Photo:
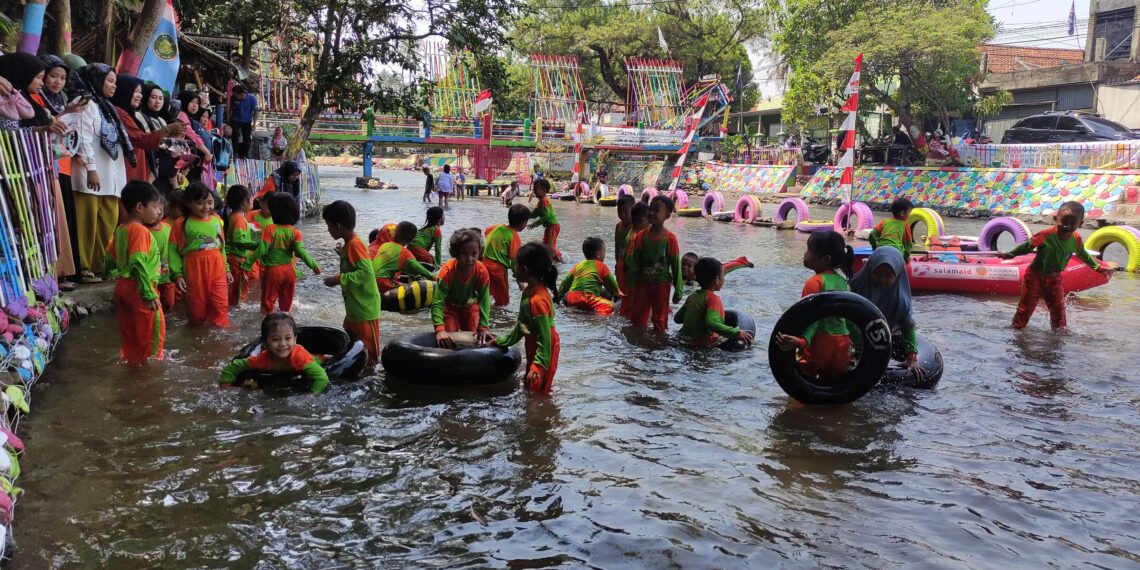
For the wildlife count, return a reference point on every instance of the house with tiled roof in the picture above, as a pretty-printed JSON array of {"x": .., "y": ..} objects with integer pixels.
[{"x": 1100, "y": 79}]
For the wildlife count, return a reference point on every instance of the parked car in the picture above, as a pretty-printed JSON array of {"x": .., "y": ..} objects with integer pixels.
[{"x": 1066, "y": 127}]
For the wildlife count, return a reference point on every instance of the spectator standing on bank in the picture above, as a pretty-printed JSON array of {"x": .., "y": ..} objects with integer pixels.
[{"x": 242, "y": 117}]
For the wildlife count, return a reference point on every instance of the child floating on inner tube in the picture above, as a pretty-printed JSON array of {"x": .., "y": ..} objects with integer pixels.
[
  {"x": 689, "y": 264},
  {"x": 535, "y": 271},
  {"x": 279, "y": 353},
  {"x": 702, "y": 316},
  {"x": 499, "y": 253},
  {"x": 826, "y": 346},
  {"x": 584, "y": 286},
  {"x": 1054, "y": 247},
  {"x": 895, "y": 232},
  {"x": 393, "y": 259},
  {"x": 463, "y": 299}
]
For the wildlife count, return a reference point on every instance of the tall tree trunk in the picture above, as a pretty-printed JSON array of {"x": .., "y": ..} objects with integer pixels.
[
  {"x": 106, "y": 22},
  {"x": 607, "y": 70},
  {"x": 308, "y": 119},
  {"x": 61, "y": 9},
  {"x": 144, "y": 28},
  {"x": 31, "y": 26}
]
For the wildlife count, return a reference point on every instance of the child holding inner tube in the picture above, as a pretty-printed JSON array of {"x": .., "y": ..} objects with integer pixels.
[
  {"x": 895, "y": 232},
  {"x": 499, "y": 254},
  {"x": 826, "y": 345},
  {"x": 586, "y": 283},
  {"x": 702, "y": 316},
  {"x": 428, "y": 237},
  {"x": 653, "y": 263},
  {"x": 357, "y": 279},
  {"x": 133, "y": 255},
  {"x": 536, "y": 273},
  {"x": 198, "y": 261},
  {"x": 546, "y": 217},
  {"x": 463, "y": 299},
  {"x": 279, "y": 353},
  {"x": 1054, "y": 247},
  {"x": 281, "y": 244},
  {"x": 393, "y": 259}
]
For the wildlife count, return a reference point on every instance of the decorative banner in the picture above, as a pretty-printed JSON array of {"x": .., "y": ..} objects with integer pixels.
[
  {"x": 851, "y": 107},
  {"x": 989, "y": 190},
  {"x": 482, "y": 101},
  {"x": 557, "y": 87},
  {"x": 161, "y": 61},
  {"x": 1123, "y": 155},
  {"x": 656, "y": 97},
  {"x": 684, "y": 152}
]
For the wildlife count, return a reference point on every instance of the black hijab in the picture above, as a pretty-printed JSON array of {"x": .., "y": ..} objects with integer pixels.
[
  {"x": 125, "y": 86},
  {"x": 113, "y": 137},
  {"x": 185, "y": 98},
  {"x": 20, "y": 69},
  {"x": 56, "y": 102},
  {"x": 287, "y": 169}
]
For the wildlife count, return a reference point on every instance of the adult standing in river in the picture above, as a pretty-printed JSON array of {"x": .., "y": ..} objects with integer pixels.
[
  {"x": 429, "y": 186},
  {"x": 445, "y": 185}
]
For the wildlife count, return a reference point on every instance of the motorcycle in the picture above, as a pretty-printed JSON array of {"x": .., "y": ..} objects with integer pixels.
[
  {"x": 815, "y": 152},
  {"x": 886, "y": 152}
]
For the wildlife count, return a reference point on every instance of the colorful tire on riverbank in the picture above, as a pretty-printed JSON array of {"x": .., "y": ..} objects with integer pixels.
[
  {"x": 748, "y": 208},
  {"x": 625, "y": 189},
  {"x": 1126, "y": 236},
  {"x": 416, "y": 359},
  {"x": 411, "y": 297},
  {"x": 868, "y": 370},
  {"x": 346, "y": 358},
  {"x": 812, "y": 226},
  {"x": 680, "y": 199},
  {"x": 600, "y": 192},
  {"x": 608, "y": 201},
  {"x": 713, "y": 202},
  {"x": 648, "y": 194},
  {"x": 689, "y": 212},
  {"x": 932, "y": 219},
  {"x": 789, "y": 205},
  {"x": 988, "y": 237},
  {"x": 864, "y": 217},
  {"x": 742, "y": 321}
]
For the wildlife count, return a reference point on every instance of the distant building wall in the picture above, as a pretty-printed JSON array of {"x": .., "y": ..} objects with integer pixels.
[{"x": 1121, "y": 103}]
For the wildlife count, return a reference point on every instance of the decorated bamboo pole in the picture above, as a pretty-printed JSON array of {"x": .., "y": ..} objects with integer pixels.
[
  {"x": 700, "y": 106},
  {"x": 851, "y": 107}
]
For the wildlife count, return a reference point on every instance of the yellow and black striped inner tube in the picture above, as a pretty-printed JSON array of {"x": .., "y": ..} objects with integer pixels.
[{"x": 411, "y": 297}]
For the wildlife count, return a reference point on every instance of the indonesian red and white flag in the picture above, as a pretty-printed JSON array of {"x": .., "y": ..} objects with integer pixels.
[{"x": 482, "y": 101}]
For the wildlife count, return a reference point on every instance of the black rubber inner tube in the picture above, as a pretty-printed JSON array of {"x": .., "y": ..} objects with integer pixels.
[
  {"x": 410, "y": 297},
  {"x": 928, "y": 358},
  {"x": 741, "y": 321},
  {"x": 346, "y": 358},
  {"x": 872, "y": 362},
  {"x": 416, "y": 359}
]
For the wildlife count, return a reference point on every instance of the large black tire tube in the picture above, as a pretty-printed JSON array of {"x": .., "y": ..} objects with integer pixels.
[
  {"x": 868, "y": 371},
  {"x": 928, "y": 357},
  {"x": 741, "y": 321},
  {"x": 415, "y": 359},
  {"x": 346, "y": 358}
]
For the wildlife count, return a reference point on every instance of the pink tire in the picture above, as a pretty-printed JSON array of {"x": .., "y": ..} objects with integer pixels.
[
  {"x": 713, "y": 203},
  {"x": 648, "y": 194},
  {"x": 864, "y": 218},
  {"x": 747, "y": 209},
  {"x": 812, "y": 226},
  {"x": 625, "y": 189},
  {"x": 988, "y": 237},
  {"x": 680, "y": 199},
  {"x": 788, "y": 205}
]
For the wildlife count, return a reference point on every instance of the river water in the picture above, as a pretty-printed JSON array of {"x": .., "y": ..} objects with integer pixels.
[{"x": 646, "y": 455}]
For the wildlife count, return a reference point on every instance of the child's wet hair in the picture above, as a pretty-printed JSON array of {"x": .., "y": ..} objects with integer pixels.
[
  {"x": 626, "y": 200},
  {"x": 174, "y": 202},
  {"x": 340, "y": 213},
  {"x": 372, "y": 235},
  {"x": 462, "y": 237},
  {"x": 517, "y": 214},
  {"x": 138, "y": 192},
  {"x": 433, "y": 216},
  {"x": 1074, "y": 207},
  {"x": 664, "y": 201},
  {"x": 591, "y": 246},
  {"x": 283, "y": 209},
  {"x": 270, "y": 322},
  {"x": 706, "y": 271},
  {"x": 236, "y": 195},
  {"x": 535, "y": 257},
  {"x": 690, "y": 256},
  {"x": 638, "y": 213},
  {"x": 901, "y": 206},
  {"x": 831, "y": 243},
  {"x": 194, "y": 192},
  {"x": 405, "y": 232},
  {"x": 541, "y": 184}
]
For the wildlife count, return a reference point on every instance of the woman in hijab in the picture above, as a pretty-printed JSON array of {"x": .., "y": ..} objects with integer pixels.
[
  {"x": 99, "y": 168},
  {"x": 883, "y": 282},
  {"x": 128, "y": 103},
  {"x": 191, "y": 112},
  {"x": 26, "y": 74},
  {"x": 287, "y": 178}
]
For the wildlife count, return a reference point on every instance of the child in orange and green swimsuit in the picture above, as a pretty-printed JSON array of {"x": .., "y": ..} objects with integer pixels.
[
  {"x": 653, "y": 263},
  {"x": 240, "y": 240},
  {"x": 499, "y": 253},
  {"x": 134, "y": 259},
  {"x": 702, "y": 316},
  {"x": 895, "y": 232},
  {"x": 428, "y": 237},
  {"x": 197, "y": 261},
  {"x": 279, "y": 353},
  {"x": 393, "y": 258},
  {"x": 586, "y": 283},
  {"x": 281, "y": 244},
  {"x": 463, "y": 291},
  {"x": 534, "y": 268},
  {"x": 546, "y": 217},
  {"x": 357, "y": 278}
]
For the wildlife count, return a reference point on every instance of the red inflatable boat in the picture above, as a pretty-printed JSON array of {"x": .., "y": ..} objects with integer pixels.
[{"x": 985, "y": 275}]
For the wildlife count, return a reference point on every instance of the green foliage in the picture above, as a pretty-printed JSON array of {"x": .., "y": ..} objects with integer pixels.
[
  {"x": 992, "y": 104},
  {"x": 920, "y": 58},
  {"x": 708, "y": 36}
]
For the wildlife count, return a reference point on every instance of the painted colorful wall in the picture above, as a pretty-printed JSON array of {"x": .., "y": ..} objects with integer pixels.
[
  {"x": 990, "y": 190},
  {"x": 746, "y": 178}
]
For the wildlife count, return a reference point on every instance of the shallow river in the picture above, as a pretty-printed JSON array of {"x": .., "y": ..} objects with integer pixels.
[{"x": 645, "y": 456}]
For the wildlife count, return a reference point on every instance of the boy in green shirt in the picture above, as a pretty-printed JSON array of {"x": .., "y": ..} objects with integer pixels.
[
  {"x": 702, "y": 316},
  {"x": 895, "y": 232},
  {"x": 393, "y": 258},
  {"x": 585, "y": 284},
  {"x": 357, "y": 279},
  {"x": 135, "y": 260}
]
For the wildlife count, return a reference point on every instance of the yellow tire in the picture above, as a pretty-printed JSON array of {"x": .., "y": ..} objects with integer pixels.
[
  {"x": 1103, "y": 237},
  {"x": 932, "y": 219}
]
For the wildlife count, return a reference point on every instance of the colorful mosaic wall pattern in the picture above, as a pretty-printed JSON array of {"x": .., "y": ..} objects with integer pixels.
[
  {"x": 1024, "y": 192},
  {"x": 746, "y": 178}
]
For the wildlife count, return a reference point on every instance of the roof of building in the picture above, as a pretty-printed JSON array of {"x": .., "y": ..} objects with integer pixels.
[
  {"x": 771, "y": 104},
  {"x": 1007, "y": 59}
]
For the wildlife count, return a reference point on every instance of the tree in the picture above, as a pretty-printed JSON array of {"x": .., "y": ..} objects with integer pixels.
[
  {"x": 919, "y": 60},
  {"x": 141, "y": 34},
  {"x": 708, "y": 36},
  {"x": 251, "y": 21},
  {"x": 343, "y": 44}
]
